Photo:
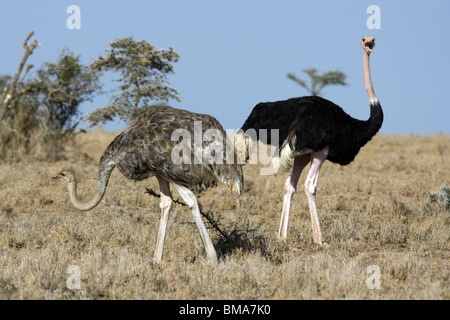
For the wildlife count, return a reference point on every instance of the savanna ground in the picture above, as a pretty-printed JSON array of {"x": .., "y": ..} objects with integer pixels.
[{"x": 374, "y": 212}]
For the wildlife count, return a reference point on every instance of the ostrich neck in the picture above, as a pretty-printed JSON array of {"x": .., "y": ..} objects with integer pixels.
[
  {"x": 102, "y": 182},
  {"x": 367, "y": 78},
  {"x": 373, "y": 124},
  {"x": 80, "y": 205}
]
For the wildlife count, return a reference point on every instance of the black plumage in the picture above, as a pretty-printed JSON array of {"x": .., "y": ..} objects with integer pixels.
[
  {"x": 312, "y": 130},
  {"x": 315, "y": 122}
]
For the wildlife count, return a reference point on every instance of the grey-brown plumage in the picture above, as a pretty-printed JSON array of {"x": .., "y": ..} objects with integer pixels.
[
  {"x": 151, "y": 147},
  {"x": 145, "y": 149}
]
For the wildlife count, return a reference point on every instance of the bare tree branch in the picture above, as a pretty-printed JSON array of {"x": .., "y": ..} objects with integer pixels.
[{"x": 10, "y": 90}]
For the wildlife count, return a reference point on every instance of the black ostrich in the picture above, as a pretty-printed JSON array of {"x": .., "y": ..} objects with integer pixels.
[
  {"x": 313, "y": 129},
  {"x": 149, "y": 148}
]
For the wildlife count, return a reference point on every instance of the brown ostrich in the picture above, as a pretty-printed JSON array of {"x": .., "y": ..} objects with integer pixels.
[
  {"x": 146, "y": 149},
  {"x": 313, "y": 129}
]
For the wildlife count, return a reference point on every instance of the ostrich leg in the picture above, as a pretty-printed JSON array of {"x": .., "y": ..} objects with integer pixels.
[
  {"x": 317, "y": 159},
  {"x": 291, "y": 185},
  {"x": 191, "y": 201},
  {"x": 166, "y": 206}
]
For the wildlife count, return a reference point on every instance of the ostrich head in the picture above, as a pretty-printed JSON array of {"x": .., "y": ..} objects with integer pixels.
[
  {"x": 368, "y": 43},
  {"x": 67, "y": 176}
]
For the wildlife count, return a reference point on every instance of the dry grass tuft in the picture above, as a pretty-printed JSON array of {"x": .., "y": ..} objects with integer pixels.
[{"x": 375, "y": 212}]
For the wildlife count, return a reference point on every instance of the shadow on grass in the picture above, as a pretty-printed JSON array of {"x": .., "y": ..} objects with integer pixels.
[
  {"x": 243, "y": 237},
  {"x": 238, "y": 236}
]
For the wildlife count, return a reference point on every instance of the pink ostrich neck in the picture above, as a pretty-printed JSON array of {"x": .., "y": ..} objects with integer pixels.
[{"x": 367, "y": 79}]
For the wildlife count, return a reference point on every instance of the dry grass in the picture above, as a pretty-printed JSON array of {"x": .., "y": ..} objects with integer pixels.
[{"x": 376, "y": 211}]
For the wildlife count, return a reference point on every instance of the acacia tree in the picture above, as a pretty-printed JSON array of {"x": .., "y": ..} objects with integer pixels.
[
  {"x": 317, "y": 81},
  {"x": 143, "y": 73},
  {"x": 43, "y": 111},
  {"x": 60, "y": 88}
]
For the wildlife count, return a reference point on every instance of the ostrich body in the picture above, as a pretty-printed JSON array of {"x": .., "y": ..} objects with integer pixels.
[
  {"x": 313, "y": 129},
  {"x": 145, "y": 149}
]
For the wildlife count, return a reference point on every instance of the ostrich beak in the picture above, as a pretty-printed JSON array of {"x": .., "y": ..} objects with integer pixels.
[
  {"x": 58, "y": 177},
  {"x": 368, "y": 43}
]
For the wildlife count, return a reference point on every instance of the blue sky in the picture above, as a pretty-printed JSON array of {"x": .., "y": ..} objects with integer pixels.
[{"x": 236, "y": 53}]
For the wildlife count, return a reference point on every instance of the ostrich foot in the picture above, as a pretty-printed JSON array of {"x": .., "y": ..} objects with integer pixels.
[
  {"x": 324, "y": 245},
  {"x": 281, "y": 237},
  {"x": 317, "y": 238}
]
